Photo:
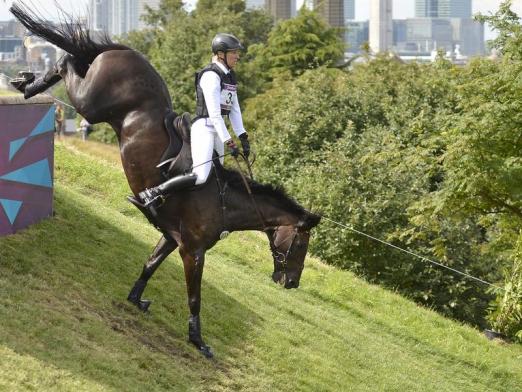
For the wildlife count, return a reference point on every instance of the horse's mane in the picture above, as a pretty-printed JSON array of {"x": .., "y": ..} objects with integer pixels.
[
  {"x": 69, "y": 35},
  {"x": 235, "y": 181}
]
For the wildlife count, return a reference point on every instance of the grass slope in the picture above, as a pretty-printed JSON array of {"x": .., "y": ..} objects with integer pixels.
[{"x": 65, "y": 324}]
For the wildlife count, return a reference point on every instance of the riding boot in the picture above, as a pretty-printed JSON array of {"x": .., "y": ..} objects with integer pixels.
[
  {"x": 29, "y": 86},
  {"x": 153, "y": 198}
]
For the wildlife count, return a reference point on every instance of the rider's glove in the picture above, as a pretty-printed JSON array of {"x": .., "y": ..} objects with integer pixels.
[
  {"x": 245, "y": 144},
  {"x": 234, "y": 151}
]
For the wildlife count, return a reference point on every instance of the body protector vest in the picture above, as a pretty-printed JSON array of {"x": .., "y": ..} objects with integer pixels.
[{"x": 228, "y": 91}]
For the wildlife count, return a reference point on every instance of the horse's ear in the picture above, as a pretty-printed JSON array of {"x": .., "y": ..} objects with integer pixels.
[{"x": 309, "y": 221}]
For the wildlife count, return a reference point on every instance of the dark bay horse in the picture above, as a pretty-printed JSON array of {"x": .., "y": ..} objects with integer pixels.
[{"x": 108, "y": 82}]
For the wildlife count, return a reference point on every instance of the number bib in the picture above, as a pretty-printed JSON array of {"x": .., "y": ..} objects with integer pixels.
[{"x": 228, "y": 96}]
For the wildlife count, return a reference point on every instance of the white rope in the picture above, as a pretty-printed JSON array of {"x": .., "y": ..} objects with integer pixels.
[{"x": 414, "y": 254}]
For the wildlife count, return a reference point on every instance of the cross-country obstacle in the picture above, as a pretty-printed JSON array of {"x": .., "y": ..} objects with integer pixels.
[{"x": 26, "y": 161}]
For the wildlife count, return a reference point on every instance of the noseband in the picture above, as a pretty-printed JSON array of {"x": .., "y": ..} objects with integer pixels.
[{"x": 280, "y": 257}]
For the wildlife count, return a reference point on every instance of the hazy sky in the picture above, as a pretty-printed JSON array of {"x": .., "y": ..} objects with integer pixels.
[{"x": 401, "y": 8}]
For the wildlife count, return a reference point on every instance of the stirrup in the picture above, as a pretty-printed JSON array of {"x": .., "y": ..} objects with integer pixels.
[{"x": 151, "y": 198}]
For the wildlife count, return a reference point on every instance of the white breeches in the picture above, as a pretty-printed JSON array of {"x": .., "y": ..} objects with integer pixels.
[{"x": 203, "y": 141}]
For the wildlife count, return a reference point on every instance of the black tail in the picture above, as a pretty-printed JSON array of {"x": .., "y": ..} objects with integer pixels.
[{"x": 70, "y": 35}]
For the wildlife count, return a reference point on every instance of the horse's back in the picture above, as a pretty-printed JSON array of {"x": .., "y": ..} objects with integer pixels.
[{"x": 128, "y": 78}]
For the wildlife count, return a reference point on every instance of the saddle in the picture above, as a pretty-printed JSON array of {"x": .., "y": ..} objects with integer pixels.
[{"x": 177, "y": 157}]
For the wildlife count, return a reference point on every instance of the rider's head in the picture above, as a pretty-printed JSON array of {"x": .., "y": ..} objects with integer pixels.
[{"x": 226, "y": 48}]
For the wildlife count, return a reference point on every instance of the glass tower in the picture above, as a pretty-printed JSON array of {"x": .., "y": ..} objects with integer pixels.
[
  {"x": 443, "y": 8},
  {"x": 332, "y": 11},
  {"x": 349, "y": 9}
]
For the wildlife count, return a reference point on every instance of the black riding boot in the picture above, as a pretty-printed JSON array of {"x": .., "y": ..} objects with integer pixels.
[
  {"x": 29, "y": 86},
  {"x": 153, "y": 198}
]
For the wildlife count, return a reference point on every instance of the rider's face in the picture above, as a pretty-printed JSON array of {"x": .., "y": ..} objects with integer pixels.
[{"x": 232, "y": 57}]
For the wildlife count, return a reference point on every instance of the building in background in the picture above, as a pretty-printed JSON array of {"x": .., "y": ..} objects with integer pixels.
[
  {"x": 349, "y": 10},
  {"x": 381, "y": 25},
  {"x": 332, "y": 11},
  {"x": 12, "y": 41},
  {"x": 12, "y": 28},
  {"x": 118, "y": 17},
  {"x": 281, "y": 9},
  {"x": 11, "y": 49},
  {"x": 443, "y": 8},
  {"x": 255, "y": 4},
  {"x": 469, "y": 35},
  {"x": 357, "y": 34},
  {"x": 421, "y": 36}
]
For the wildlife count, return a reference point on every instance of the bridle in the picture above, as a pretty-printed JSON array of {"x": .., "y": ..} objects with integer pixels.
[{"x": 279, "y": 257}]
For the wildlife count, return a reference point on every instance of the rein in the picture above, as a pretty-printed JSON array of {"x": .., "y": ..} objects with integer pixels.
[
  {"x": 279, "y": 257},
  {"x": 249, "y": 191}
]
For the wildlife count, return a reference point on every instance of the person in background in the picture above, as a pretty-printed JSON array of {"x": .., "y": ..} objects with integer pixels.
[
  {"x": 85, "y": 128},
  {"x": 59, "y": 119}
]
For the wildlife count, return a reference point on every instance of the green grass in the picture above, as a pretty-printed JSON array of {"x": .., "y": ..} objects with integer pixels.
[
  {"x": 8, "y": 93},
  {"x": 65, "y": 324}
]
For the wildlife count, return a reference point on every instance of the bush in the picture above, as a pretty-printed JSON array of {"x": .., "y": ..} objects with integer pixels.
[
  {"x": 104, "y": 133},
  {"x": 506, "y": 315},
  {"x": 363, "y": 147}
]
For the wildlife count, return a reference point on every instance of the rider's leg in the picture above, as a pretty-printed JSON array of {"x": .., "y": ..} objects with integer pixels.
[
  {"x": 219, "y": 147},
  {"x": 202, "y": 147},
  {"x": 202, "y": 142}
]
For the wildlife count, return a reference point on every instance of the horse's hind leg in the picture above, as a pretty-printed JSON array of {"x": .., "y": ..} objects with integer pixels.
[
  {"x": 193, "y": 264},
  {"x": 29, "y": 86},
  {"x": 161, "y": 251}
]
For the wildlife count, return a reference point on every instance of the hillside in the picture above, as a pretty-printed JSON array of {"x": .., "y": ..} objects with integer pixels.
[{"x": 66, "y": 326}]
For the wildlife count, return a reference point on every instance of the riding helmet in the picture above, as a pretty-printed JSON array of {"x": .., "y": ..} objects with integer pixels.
[{"x": 223, "y": 42}]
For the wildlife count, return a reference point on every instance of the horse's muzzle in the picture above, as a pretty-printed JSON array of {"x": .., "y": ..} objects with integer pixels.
[{"x": 291, "y": 284}]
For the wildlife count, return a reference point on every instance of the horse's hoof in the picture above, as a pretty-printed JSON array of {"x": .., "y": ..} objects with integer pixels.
[
  {"x": 19, "y": 84},
  {"x": 203, "y": 349},
  {"x": 206, "y": 351},
  {"x": 144, "y": 304},
  {"x": 141, "y": 304}
]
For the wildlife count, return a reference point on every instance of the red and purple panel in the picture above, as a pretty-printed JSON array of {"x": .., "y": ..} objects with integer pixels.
[{"x": 26, "y": 165}]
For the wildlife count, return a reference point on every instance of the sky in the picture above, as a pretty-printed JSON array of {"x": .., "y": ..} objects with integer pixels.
[{"x": 401, "y": 8}]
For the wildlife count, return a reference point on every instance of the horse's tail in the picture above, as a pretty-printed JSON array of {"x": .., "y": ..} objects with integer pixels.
[{"x": 69, "y": 35}]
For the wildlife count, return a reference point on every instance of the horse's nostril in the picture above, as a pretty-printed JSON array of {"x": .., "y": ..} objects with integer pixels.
[{"x": 291, "y": 284}]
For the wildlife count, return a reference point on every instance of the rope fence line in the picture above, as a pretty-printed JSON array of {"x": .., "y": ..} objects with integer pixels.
[
  {"x": 355, "y": 230},
  {"x": 414, "y": 254}
]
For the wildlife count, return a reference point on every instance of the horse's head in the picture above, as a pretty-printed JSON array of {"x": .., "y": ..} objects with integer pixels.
[{"x": 289, "y": 245}]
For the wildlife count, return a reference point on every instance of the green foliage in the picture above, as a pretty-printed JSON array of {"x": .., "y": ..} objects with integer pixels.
[
  {"x": 103, "y": 133},
  {"x": 140, "y": 40},
  {"x": 506, "y": 315},
  {"x": 66, "y": 324},
  {"x": 507, "y": 24},
  {"x": 364, "y": 147},
  {"x": 297, "y": 44},
  {"x": 60, "y": 93},
  {"x": 182, "y": 46}
]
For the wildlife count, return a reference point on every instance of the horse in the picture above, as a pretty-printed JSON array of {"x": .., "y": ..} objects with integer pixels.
[{"x": 112, "y": 83}]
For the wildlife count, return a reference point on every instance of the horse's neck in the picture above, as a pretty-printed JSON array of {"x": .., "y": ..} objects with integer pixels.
[{"x": 269, "y": 213}]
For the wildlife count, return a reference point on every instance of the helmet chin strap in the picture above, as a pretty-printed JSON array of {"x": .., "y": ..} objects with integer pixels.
[{"x": 225, "y": 60}]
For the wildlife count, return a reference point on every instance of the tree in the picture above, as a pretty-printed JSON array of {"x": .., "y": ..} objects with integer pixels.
[
  {"x": 297, "y": 44},
  {"x": 182, "y": 45}
]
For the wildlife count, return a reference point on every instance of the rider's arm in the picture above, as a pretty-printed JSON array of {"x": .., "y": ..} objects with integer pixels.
[
  {"x": 211, "y": 86},
  {"x": 236, "y": 120}
]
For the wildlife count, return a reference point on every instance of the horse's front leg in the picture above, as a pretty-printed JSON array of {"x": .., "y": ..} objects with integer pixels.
[
  {"x": 160, "y": 253},
  {"x": 193, "y": 264}
]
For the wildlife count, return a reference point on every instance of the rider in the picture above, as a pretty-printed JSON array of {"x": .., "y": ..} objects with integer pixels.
[{"x": 216, "y": 97}]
